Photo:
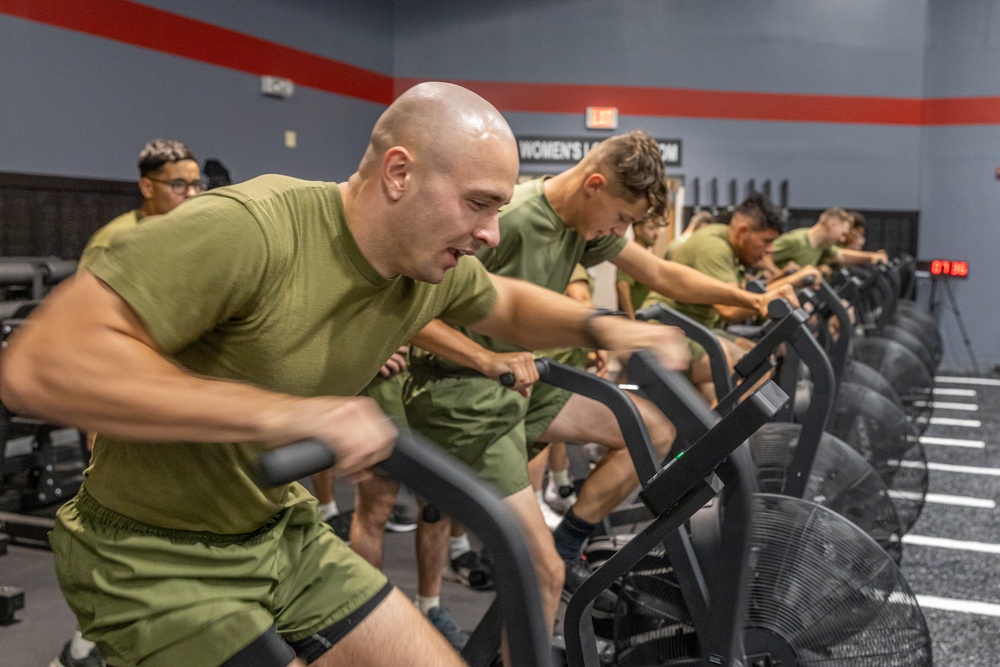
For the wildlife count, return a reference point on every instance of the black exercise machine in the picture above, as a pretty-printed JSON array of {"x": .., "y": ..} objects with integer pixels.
[{"x": 443, "y": 481}]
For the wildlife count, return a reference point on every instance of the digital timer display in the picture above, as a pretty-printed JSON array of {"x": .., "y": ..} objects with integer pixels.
[{"x": 945, "y": 268}]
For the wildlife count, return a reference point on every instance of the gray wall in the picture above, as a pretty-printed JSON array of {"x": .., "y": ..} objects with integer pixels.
[
  {"x": 73, "y": 104},
  {"x": 959, "y": 191},
  {"x": 79, "y": 105},
  {"x": 857, "y": 48}
]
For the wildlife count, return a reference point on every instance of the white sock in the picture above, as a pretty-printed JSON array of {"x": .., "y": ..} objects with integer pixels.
[
  {"x": 426, "y": 604},
  {"x": 540, "y": 497},
  {"x": 459, "y": 545},
  {"x": 80, "y": 648},
  {"x": 560, "y": 477},
  {"x": 327, "y": 510}
]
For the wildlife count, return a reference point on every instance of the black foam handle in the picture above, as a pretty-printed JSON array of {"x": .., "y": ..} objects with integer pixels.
[
  {"x": 295, "y": 461},
  {"x": 508, "y": 379},
  {"x": 778, "y": 309}
]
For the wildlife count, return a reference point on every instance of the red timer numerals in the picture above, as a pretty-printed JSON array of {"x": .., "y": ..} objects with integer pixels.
[{"x": 947, "y": 267}]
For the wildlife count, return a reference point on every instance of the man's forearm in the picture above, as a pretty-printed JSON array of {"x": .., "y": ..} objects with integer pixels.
[
  {"x": 688, "y": 285},
  {"x": 440, "y": 339}
]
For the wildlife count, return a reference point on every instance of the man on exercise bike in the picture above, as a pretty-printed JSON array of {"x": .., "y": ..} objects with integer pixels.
[{"x": 250, "y": 318}]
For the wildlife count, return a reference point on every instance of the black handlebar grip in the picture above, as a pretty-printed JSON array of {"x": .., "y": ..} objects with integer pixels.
[
  {"x": 301, "y": 459},
  {"x": 778, "y": 309},
  {"x": 808, "y": 280},
  {"x": 756, "y": 286},
  {"x": 542, "y": 365}
]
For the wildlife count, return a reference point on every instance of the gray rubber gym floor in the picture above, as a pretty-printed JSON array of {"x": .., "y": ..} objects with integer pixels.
[{"x": 950, "y": 556}]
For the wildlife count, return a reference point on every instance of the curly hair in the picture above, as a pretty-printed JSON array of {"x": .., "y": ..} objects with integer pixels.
[
  {"x": 159, "y": 152},
  {"x": 633, "y": 163}
]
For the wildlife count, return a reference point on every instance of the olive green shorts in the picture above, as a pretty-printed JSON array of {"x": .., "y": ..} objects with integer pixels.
[
  {"x": 388, "y": 393},
  {"x": 153, "y": 597},
  {"x": 547, "y": 401},
  {"x": 475, "y": 419}
]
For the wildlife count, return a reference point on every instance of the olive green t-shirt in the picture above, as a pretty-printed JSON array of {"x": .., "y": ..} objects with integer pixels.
[
  {"x": 709, "y": 251},
  {"x": 535, "y": 246},
  {"x": 794, "y": 246},
  {"x": 101, "y": 239},
  {"x": 262, "y": 283}
]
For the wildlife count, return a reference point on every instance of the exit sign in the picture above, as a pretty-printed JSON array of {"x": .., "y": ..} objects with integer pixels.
[{"x": 602, "y": 118}]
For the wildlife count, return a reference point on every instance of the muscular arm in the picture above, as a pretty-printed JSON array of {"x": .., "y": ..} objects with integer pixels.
[
  {"x": 849, "y": 257},
  {"x": 85, "y": 358},
  {"x": 683, "y": 283},
  {"x": 536, "y": 318},
  {"x": 680, "y": 282}
]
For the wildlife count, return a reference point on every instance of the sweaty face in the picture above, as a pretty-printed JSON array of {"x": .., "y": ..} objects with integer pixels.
[
  {"x": 608, "y": 215},
  {"x": 453, "y": 212},
  {"x": 756, "y": 246},
  {"x": 160, "y": 195}
]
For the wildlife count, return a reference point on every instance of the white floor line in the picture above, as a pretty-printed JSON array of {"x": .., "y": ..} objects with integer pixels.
[
  {"x": 942, "y": 499},
  {"x": 964, "y": 606},
  {"x": 947, "y": 421},
  {"x": 948, "y": 467},
  {"x": 952, "y": 442},
  {"x": 944, "y": 405},
  {"x": 960, "y": 380},
  {"x": 969, "y": 393},
  {"x": 945, "y": 543}
]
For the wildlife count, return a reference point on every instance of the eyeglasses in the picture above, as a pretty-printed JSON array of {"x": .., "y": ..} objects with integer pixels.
[{"x": 179, "y": 186}]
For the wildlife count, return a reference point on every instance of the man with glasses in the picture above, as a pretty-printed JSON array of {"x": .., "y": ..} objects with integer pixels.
[{"x": 168, "y": 174}]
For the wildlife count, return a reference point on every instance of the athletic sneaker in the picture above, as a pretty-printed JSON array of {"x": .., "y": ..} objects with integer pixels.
[
  {"x": 398, "y": 521},
  {"x": 577, "y": 572},
  {"x": 560, "y": 498},
  {"x": 442, "y": 620},
  {"x": 341, "y": 524},
  {"x": 552, "y": 520},
  {"x": 66, "y": 659},
  {"x": 470, "y": 570}
]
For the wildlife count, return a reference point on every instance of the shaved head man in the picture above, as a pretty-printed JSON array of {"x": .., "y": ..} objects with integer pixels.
[{"x": 250, "y": 318}]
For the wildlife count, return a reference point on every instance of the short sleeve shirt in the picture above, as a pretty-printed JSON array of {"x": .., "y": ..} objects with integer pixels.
[
  {"x": 794, "y": 246},
  {"x": 260, "y": 283},
  {"x": 101, "y": 239},
  {"x": 710, "y": 252},
  {"x": 536, "y": 246}
]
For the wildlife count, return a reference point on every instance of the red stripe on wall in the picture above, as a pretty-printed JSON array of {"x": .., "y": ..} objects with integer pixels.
[
  {"x": 166, "y": 32},
  {"x": 162, "y": 31},
  {"x": 962, "y": 111},
  {"x": 681, "y": 102}
]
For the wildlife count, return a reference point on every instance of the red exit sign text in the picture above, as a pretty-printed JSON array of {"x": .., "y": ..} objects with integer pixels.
[{"x": 602, "y": 118}]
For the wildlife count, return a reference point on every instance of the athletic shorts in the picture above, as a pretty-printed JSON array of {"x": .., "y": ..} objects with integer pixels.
[
  {"x": 547, "y": 401},
  {"x": 475, "y": 419},
  {"x": 697, "y": 351},
  {"x": 154, "y": 597},
  {"x": 388, "y": 393}
]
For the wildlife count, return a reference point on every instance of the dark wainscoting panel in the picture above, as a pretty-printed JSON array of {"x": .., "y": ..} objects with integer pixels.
[{"x": 56, "y": 215}]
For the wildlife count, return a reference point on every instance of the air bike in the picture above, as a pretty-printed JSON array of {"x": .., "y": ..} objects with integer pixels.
[{"x": 753, "y": 578}]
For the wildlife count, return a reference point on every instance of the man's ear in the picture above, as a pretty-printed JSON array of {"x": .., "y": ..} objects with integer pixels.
[
  {"x": 397, "y": 165},
  {"x": 146, "y": 188},
  {"x": 593, "y": 183}
]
